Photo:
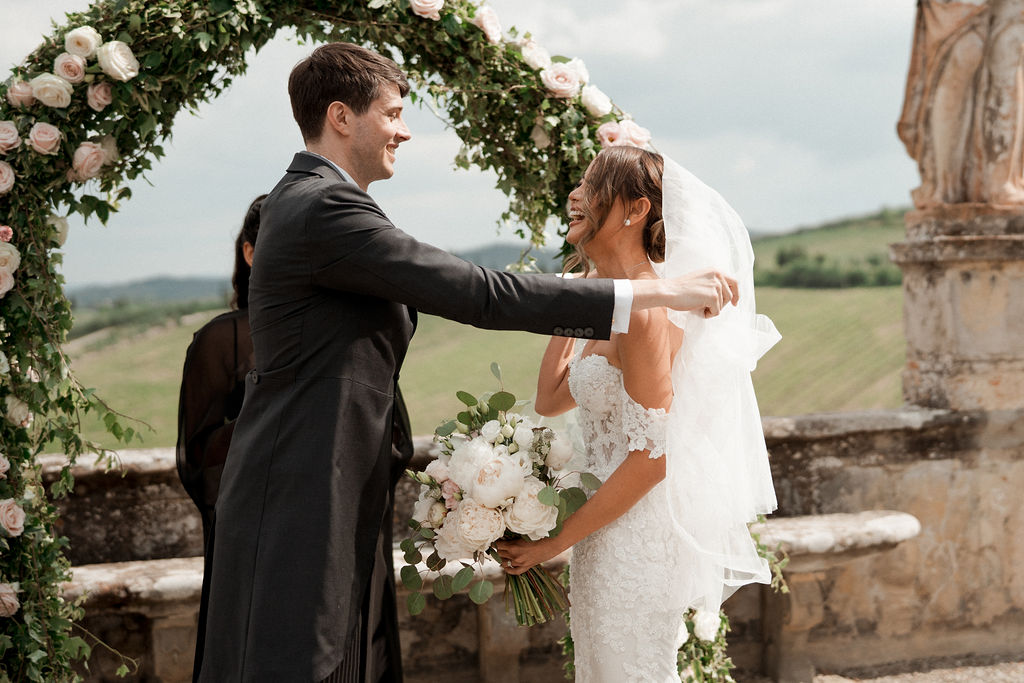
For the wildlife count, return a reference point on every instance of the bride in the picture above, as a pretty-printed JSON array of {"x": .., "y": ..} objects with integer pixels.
[{"x": 669, "y": 420}]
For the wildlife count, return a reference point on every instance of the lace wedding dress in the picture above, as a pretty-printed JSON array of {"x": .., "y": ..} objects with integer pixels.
[{"x": 626, "y": 624}]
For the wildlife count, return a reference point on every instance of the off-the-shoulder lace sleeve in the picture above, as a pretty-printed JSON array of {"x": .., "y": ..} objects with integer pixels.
[{"x": 644, "y": 427}]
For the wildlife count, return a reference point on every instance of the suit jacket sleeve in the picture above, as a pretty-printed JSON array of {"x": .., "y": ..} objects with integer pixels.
[{"x": 355, "y": 248}]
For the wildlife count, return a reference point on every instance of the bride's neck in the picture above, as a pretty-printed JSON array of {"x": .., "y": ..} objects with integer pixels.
[{"x": 628, "y": 264}]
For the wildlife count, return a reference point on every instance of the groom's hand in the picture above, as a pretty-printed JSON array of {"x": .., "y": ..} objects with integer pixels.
[{"x": 707, "y": 291}]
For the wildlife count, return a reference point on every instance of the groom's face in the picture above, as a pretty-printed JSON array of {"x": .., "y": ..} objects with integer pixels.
[{"x": 376, "y": 134}]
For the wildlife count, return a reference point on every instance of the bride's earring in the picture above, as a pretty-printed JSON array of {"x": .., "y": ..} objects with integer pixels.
[{"x": 627, "y": 222}]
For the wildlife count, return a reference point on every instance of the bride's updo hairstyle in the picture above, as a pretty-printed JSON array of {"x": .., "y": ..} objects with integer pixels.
[{"x": 622, "y": 173}]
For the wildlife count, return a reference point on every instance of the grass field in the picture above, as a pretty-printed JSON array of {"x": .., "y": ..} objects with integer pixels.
[{"x": 841, "y": 350}]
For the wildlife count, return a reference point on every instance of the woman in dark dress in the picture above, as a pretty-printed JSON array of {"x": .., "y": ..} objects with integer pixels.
[{"x": 212, "y": 389}]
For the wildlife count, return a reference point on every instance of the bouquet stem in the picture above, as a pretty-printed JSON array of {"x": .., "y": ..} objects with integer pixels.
[{"x": 536, "y": 596}]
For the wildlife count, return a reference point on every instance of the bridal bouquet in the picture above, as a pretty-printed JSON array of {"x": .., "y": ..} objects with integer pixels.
[{"x": 499, "y": 476}]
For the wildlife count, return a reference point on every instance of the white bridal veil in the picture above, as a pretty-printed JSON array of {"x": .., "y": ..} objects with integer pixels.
[{"x": 717, "y": 469}]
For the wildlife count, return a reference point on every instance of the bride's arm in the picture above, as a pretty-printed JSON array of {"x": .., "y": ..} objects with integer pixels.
[
  {"x": 553, "y": 397},
  {"x": 646, "y": 357}
]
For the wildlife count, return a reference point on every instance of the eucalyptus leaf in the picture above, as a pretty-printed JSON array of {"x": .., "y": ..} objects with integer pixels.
[
  {"x": 443, "y": 587},
  {"x": 548, "y": 496},
  {"x": 502, "y": 401},
  {"x": 466, "y": 398},
  {"x": 590, "y": 481},
  {"x": 496, "y": 371},
  {"x": 463, "y": 578},
  {"x": 481, "y": 591},
  {"x": 411, "y": 578},
  {"x": 446, "y": 429},
  {"x": 415, "y": 603}
]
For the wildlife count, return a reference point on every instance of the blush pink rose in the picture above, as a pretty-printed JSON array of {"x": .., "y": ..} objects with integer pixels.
[
  {"x": 12, "y": 517},
  {"x": 561, "y": 80},
  {"x": 9, "y": 136},
  {"x": 608, "y": 133},
  {"x": 428, "y": 9},
  {"x": 99, "y": 95},
  {"x": 6, "y": 233},
  {"x": 633, "y": 134},
  {"x": 69, "y": 67},
  {"x": 9, "y": 604},
  {"x": 6, "y": 177},
  {"x": 87, "y": 161},
  {"x": 19, "y": 94},
  {"x": 486, "y": 20},
  {"x": 44, "y": 138},
  {"x": 450, "y": 492},
  {"x": 5, "y": 466}
]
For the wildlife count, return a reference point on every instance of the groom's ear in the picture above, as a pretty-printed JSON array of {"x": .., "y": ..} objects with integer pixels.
[{"x": 338, "y": 117}]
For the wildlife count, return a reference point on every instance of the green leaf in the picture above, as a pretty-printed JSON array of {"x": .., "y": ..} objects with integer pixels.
[
  {"x": 590, "y": 481},
  {"x": 153, "y": 60},
  {"x": 134, "y": 22},
  {"x": 466, "y": 398},
  {"x": 465, "y": 417},
  {"x": 376, "y": 4},
  {"x": 204, "y": 39},
  {"x": 502, "y": 401},
  {"x": 435, "y": 562},
  {"x": 548, "y": 496},
  {"x": 147, "y": 125},
  {"x": 408, "y": 543},
  {"x": 443, "y": 587},
  {"x": 427, "y": 533},
  {"x": 481, "y": 591},
  {"x": 413, "y": 556},
  {"x": 446, "y": 429},
  {"x": 415, "y": 603},
  {"x": 411, "y": 578},
  {"x": 574, "y": 499},
  {"x": 463, "y": 578},
  {"x": 496, "y": 370}
]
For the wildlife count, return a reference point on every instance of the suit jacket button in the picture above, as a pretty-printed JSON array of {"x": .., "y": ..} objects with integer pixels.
[
  {"x": 589, "y": 332},
  {"x": 578, "y": 331},
  {"x": 255, "y": 377},
  {"x": 557, "y": 331}
]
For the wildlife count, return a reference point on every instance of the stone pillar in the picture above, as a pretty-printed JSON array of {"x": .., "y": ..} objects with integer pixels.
[{"x": 963, "y": 309}]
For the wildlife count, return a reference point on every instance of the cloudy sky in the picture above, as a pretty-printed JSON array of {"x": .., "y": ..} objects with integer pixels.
[{"x": 787, "y": 107}]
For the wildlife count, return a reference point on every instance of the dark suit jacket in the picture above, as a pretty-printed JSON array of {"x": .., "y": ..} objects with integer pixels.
[{"x": 332, "y": 302}]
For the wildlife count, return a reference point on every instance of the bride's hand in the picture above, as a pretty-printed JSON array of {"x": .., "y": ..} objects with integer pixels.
[{"x": 519, "y": 556}]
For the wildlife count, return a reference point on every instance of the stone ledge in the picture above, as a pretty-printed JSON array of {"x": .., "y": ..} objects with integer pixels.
[
  {"x": 963, "y": 249},
  {"x": 130, "y": 461},
  {"x": 143, "y": 584},
  {"x": 819, "y": 542}
]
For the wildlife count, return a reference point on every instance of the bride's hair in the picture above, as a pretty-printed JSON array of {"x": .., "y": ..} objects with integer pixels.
[{"x": 622, "y": 173}]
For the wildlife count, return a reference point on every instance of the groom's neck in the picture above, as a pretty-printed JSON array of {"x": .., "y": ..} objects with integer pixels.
[{"x": 338, "y": 156}]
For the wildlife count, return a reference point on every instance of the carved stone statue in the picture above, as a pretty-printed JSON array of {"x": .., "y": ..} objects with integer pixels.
[{"x": 963, "y": 116}]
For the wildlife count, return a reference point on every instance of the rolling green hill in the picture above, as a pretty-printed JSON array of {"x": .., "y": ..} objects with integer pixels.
[{"x": 842, "y": 349}]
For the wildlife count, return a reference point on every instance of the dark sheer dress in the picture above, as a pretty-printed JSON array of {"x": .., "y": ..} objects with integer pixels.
[{"x": 212, "y": 389}]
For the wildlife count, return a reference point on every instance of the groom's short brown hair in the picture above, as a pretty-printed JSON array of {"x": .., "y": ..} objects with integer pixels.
[{"x": 338, "y": 72}]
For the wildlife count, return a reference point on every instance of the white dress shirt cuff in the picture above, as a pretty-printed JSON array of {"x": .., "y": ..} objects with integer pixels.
[{"x": 623, "y": 306}]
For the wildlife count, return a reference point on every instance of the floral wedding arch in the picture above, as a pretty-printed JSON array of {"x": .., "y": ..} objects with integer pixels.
[{"x": 86, "y": 113}]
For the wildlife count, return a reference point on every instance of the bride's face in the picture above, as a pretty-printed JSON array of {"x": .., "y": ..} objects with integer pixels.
[{"x": 581, "y": 225}]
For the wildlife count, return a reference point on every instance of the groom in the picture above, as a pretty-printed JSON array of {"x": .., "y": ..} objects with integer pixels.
[{"x": 302, "y": 587}]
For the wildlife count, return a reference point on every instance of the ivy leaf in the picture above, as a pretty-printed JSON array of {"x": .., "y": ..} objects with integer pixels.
[{"x": 204, "y": 40}]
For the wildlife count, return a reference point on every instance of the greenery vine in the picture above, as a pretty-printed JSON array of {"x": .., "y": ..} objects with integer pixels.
[{"x": 78, "y": 124}]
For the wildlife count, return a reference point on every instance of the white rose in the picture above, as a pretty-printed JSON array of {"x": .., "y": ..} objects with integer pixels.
[
  {"x": 479, "y": 526},
  {"x": 9, "y": 599},
  {"x": 18, "y": 413},
  {"x": 51, "y": 90},
  {"x": 12, "y": 518},
  {"x": 560, "y": 454},
  {"x": 535, "y": 56},
  {"x": 9, "y": 136},
  {"x": 60, "y": 226},
  {"x": 6, "y": 177},
  {"x": 438, "y": 470},
  {"x": 117, "y": 61},
  {"x": 487, "y": 21},
  {"x": 523, "y": 435},
  {"x": 527, "y": 515},
  {"x": 491, "y": 430},
  {"x": 705, "y": 625},
  {"x": 561, "y": 80},
  {"x": 5, "y": 466},
  {"x": 466, "y": 460},
  {"x": 421, "y": 509},
  {"x": 632, "y": 134},
  {"x": 69, "y": 67},
  {"x": 497, "y": 480},
  {"x": 44, "y": 138},
  {"x": 449, "y": 543},
  {"x": 82, "y": 41},
  {"x": 6, "y": 283},
  {"x": 10, "y": 257},
  {"x": 110, "y": 153},
  {"x": 19, "y": 94},
  {"x": 595, "y": 102},
  {"x": 577, "y": 65},
  {"x": 99, "y": 95},
  {"x": 428, "y": 9},
  {"x": 88, "y": 161}
]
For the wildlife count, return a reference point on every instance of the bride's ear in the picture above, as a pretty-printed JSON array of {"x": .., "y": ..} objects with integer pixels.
[{"x": 638, "y": 210}]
